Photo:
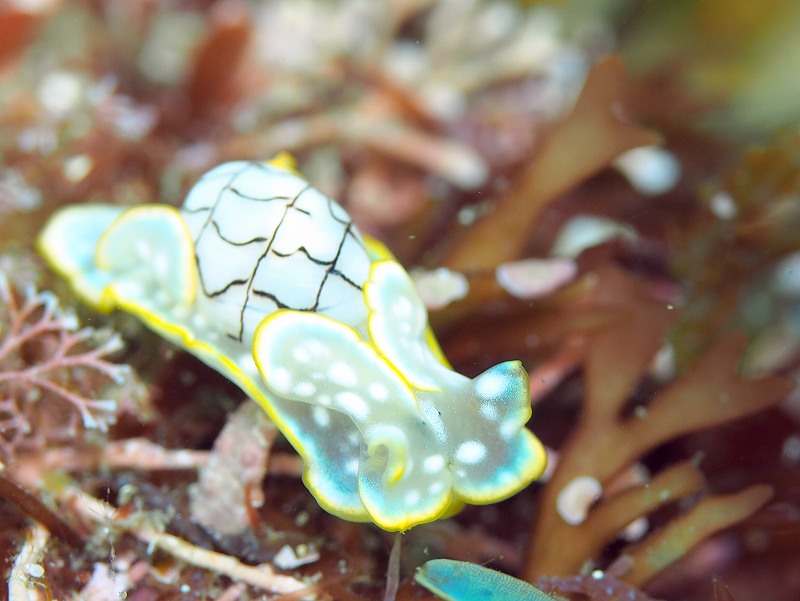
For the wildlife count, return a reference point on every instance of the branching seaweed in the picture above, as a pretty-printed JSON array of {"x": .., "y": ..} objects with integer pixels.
[
  {"x": 562, "y": 162},
  {"x": 611, "y": 436},
  {"x": 48, "y": 371}
]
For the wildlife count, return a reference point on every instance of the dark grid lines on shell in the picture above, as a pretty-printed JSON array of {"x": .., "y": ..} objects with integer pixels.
[{"x": 264, "y": 240}]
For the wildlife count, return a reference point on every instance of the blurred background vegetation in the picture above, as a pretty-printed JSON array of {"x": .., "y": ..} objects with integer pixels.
[{"x": 612, "y": 187}]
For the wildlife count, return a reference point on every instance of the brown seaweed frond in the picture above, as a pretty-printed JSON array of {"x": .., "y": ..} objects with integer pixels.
[
  {"x": 563, "y": 160},
  {"x": 612, "y": 435},
  {"x": 725, "y": 259},
  {"x": 34, "y": 508},
  {"x": 712, "y": 514},
  {"x": 48, "y": 371}
]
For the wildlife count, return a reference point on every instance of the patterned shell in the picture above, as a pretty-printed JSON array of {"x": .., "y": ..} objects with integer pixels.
[
  {"x": 270, "y": 283},
  {"x": 297, "y": 249}
]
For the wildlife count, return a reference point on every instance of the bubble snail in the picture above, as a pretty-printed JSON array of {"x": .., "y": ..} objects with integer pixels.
[{"x": 269, "y": 282}]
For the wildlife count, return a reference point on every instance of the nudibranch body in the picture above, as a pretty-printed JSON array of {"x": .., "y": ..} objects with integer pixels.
[{"x": 269, "y": 282}]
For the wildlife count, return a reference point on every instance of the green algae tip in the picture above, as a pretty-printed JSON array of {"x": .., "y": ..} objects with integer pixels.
[{"x": 464, "y": 581}]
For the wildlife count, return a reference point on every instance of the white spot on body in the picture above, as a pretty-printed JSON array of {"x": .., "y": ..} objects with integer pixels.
[
  {"x": 353, "y": 404},
  {"x": 321, "y": 416},
  {"x": 412, "y": 497},
  {"x": 161, "y": 266},
  {"x": 280, "y": 380},
  {"x": 378, "y": 392},
  {"x": 142, "y": 249},
  {"x": 301, "y": 355},
  {"x": 304, "y": 389},
  {"x": 506, "y": 477},
  {"x": 316, "y": 349},
  {"x": 489, "y": 411},
  {"x": 341, "y": 373},
  {"x": 433, "y": 464},
  {"x": 490, "y": 385},
  {"x": 351, "y": 467},
  {"x": 402, "y": 308},
  {"x": 509, "y": 429},
  {"x": 471, "y": 451},
  {"x": 436, "y": 488}
]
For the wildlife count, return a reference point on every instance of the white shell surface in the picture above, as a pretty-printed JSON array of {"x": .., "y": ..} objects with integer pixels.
[{"x": 264, "y": 240}]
